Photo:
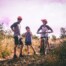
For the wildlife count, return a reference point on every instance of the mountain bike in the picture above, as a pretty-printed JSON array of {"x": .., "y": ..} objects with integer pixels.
[{"x": 44, "y": 49}]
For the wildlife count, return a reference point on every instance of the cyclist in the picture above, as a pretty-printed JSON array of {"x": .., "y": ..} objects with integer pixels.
[
  {"x": 17, "y": 38},
  {"x": 43, "y": 30}
]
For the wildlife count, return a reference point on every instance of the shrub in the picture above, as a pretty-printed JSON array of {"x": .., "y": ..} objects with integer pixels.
[
  {"x": 51, "y": 60},
  {"x": 63, "y": 50},
  {"x": 60, "y": 52},
  {"x": 53, "y": 37},
  {"x": 5, "y": 53},
  {"x": 34, "y": 37}
]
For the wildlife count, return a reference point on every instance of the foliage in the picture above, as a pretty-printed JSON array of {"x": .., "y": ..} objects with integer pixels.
[
  {"x": 60, "y": 53},
  {"x": 5, "y": 53},
  {"x": 53, "y": 37},
  {"x": 63, "y": 32},
  {"x": 35, "y": 37}
]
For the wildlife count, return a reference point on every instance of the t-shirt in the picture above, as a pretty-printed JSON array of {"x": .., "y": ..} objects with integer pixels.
[
  {"x": 44, "y": 28},
  {"x": 15, "y": 26},
  {"x": 28, "y": 37}
]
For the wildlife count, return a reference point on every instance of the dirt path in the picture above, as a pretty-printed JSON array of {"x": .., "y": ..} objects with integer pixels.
[{"x": 25, "y": 61}]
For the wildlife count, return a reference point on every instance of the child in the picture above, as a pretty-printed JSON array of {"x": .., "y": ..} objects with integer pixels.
[
  {"x": 44, "y": 28},
  {"x": 28, "y": 39},
  {"x": 17, "y": 38}
]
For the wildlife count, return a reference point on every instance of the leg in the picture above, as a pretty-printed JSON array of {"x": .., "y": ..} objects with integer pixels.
[
  {"x": 21, "y": 43},
  {"x": 21, "y": 49},
  {"x": 15, "y": 49},
  {"x": 28, "y": 49},
  {"x": 41, "y": 46},
  {"x": 16, "y": 42},
  {"x": 33, "y": 49},
  {"x": 47, "y": 46},
  {"x": 41, "y": 42},
  {"x": 15, "y": 52},
  {"x": 47, "y": 43}
]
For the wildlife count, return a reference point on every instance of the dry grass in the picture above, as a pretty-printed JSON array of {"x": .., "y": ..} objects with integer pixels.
[{"x": 9, "y": 43}]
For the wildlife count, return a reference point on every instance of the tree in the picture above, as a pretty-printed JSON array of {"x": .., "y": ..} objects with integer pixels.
[
  {"x": 63, "y": 32},
  {"x": 1, "y": 27}
]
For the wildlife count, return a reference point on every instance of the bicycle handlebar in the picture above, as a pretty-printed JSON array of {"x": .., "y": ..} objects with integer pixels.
[{"x": 43, "y": 32}]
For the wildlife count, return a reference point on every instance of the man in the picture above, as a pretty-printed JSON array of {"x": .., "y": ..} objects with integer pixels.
[{"x": 17, "y": 38}]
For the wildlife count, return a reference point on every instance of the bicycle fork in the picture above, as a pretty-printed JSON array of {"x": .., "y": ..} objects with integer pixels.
[{"x": 45, "y": 46}]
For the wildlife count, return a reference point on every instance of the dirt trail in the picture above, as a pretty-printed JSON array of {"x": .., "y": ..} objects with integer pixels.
[{"x": 25, "y": 61}]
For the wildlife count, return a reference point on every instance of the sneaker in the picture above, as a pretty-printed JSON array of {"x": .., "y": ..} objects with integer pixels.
[
  {"x": 21, "y": 55},
  {"x": 15, "y": 56}
]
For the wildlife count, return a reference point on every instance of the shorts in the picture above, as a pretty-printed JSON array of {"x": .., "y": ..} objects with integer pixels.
[
  {"x": 28, "y": 43},
  {"x": 44, "y": 37},
  {"x": 17, "y": 41}
]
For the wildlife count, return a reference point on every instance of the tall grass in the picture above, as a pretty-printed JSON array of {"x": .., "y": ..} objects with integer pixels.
[
  {"x": 57, "y": 56},
  {"x": 4, "y": 51}
]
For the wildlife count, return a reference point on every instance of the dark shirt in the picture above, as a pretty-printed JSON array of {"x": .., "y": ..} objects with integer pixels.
[
  {"x": 15, "y": 26},
  {"x": 44, "y": 28},
  {"x": 28, "y": 37}
]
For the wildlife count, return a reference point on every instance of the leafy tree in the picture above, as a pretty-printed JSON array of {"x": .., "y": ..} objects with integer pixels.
[{"x": 63, "y": 32}]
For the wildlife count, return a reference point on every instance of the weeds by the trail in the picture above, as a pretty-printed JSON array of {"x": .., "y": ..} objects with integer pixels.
[
  {"x": 56, "y": 57},
  {"x": 4, "y": 51}
]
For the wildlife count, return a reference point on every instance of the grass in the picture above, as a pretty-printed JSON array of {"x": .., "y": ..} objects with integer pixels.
[{"x": 56, "y": 57}]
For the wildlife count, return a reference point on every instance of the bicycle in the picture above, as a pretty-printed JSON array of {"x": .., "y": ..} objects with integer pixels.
[{"x": 44, "y": 47}]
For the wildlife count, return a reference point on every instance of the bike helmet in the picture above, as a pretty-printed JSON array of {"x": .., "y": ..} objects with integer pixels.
[
  {"x": 19, "y": 18},
  {"x": 44, "y": 20}
]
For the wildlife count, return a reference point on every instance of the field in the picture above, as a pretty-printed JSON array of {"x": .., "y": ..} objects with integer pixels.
[{"x": 55, "y": 56}]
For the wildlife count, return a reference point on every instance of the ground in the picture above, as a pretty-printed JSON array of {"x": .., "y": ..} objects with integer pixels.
[{"x": 27, "y": 60}]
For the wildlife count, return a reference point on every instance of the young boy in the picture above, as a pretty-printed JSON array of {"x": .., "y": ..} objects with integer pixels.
[
  {"x": 28, "y": 39},
  {"x": 17, "y": 38},
  {"x": 44, "y": 31}
]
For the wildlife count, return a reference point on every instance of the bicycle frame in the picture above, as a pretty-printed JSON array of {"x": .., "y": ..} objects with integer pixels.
[{"x": 44, "y": 46}]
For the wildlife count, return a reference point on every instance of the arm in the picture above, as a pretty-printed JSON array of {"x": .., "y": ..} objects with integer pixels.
[
  {"x": 13, "y": 26},
  {"x": 39, "y": 29},
  {"x": 49, "y": 28}
]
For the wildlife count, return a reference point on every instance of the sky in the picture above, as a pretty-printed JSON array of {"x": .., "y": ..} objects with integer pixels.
[{"x": 32, "y": 11}]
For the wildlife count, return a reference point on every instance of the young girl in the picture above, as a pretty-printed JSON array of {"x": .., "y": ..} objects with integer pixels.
[{"x": 28, "y": 39}]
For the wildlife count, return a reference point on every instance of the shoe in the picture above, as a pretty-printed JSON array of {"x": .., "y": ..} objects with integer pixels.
[
  {"x": 15, "y": 56},
  {"x": 21, "y": 55}
]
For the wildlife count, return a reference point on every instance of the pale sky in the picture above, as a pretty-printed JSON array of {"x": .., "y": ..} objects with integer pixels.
[{"x": 32, "y": 12}]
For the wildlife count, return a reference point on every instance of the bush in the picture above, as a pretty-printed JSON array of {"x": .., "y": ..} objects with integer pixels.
[
  {"x": 60, "y": 52},
  {"x": 51, "y": 60},
  {"x": 63, "y": 50},
  {"x": 53, "y": 37},
  {"x": 5, "y": 53},
  {"x": 1, "y": 37},
  {"x": 35, "y": 37}
]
